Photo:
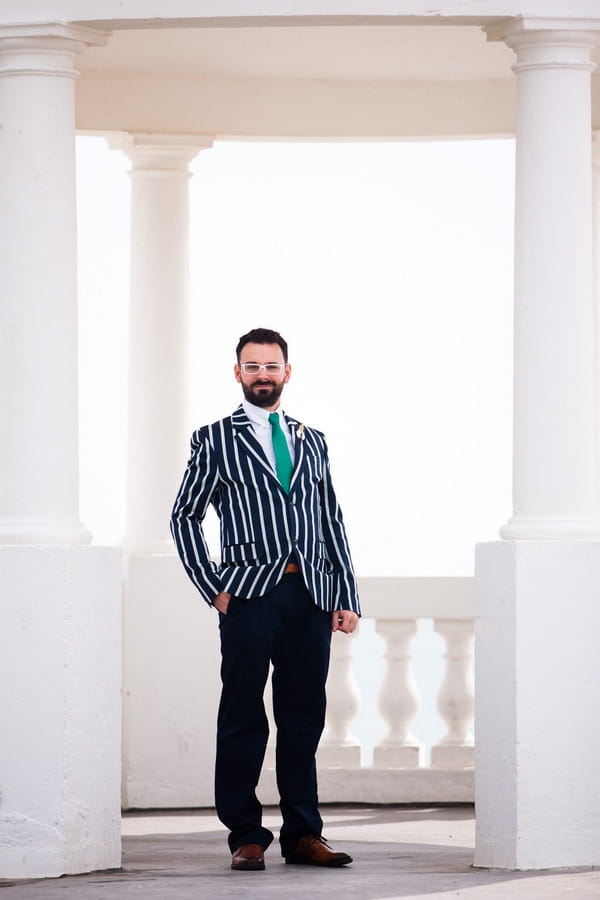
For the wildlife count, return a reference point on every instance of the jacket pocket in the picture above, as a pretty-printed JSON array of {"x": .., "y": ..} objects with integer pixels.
[
  {"x": 240, "y": 555},
  {"x": 322, "y": 561}
]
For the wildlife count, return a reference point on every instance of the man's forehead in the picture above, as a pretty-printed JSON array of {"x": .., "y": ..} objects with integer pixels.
[{"x": 268, "y": 352}]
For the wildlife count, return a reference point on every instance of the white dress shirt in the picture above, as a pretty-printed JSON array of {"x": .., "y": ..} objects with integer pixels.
[{"x": 259, "y": 419}]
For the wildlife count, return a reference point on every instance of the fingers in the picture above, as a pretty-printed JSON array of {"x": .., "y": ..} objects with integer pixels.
[
  {"x": 344, "y": 620},
  {"x": 221, "y": 602}
]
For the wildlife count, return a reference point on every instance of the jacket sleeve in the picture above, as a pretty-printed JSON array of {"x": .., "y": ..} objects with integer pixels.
[
  {"x": 334, "y": 532},
  {"x": 199, "y": 486}
]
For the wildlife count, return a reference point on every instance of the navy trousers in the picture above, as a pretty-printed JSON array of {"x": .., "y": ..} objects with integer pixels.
[{"x": 287, "y": 629}]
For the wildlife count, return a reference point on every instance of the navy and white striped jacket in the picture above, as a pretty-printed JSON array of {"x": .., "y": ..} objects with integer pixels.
[{"x": 262, "y": 527}]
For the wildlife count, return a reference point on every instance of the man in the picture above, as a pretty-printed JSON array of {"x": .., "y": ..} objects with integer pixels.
[{"x": 284, "y": 583}]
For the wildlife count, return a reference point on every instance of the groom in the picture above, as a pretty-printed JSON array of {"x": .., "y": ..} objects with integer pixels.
[{"x": 284, "y": 583}]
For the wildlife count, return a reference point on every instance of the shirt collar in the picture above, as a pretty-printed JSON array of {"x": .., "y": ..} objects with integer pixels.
[{"x": 258, "y": 415}]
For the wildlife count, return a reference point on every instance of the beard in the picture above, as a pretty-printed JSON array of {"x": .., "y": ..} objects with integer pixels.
[{"x": 262, "y": 393}]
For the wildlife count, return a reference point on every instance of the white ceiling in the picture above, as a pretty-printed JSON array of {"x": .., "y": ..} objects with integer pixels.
[{"x": 360, "y": 53}]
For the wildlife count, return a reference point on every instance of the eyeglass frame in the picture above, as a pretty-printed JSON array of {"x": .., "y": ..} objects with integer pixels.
[{"x": 266, "y": 366}]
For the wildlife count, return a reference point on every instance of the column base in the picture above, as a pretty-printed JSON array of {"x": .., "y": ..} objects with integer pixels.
[
  {"x": 537, "y": 779},
  {"x": 34, "y": 532},
  {"x": 60, "y": 692},
  {"x": 546, "y": 528}
]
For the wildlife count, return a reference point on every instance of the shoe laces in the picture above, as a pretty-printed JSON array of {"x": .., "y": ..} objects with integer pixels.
[{"x": 317, "y": 839}]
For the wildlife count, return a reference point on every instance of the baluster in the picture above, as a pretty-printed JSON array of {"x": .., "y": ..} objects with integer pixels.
[
  {"x": 455, "y": 699},
  {"x": 338, "y": 747},
  {"x": 399, "y": 699}
]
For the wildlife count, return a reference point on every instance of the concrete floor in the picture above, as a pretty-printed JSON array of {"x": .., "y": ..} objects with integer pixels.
[{"x": 398, "y": 852}]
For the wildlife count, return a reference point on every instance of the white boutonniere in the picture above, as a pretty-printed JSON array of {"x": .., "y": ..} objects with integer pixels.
[{"x": 300, "y": 432}]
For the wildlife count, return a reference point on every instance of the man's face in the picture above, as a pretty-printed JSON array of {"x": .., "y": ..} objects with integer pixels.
[{"x": 262, "y": 388}]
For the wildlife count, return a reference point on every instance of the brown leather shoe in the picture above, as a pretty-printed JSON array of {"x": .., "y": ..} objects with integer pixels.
[
  {"x": 313, "y": 850},
  {"x": 248, "y": 858}
]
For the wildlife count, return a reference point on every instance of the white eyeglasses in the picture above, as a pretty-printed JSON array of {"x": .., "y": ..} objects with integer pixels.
[{"x": 270, "y": 368}]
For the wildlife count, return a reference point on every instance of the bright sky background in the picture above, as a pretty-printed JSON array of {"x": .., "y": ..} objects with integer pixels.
[{"x": 388, "y": 268}]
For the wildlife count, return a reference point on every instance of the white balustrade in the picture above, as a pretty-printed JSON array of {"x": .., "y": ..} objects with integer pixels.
[
  {"x": 455, "y": 699},
  {"x": 399, "y": 772},
  {"x": 399, "y": 699}
]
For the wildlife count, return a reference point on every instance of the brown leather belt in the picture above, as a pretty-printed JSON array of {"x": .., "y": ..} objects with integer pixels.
[{"x": 291, "y": 567}]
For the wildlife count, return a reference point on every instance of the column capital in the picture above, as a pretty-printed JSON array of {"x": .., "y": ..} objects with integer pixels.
[
  {"x": 160, "y": 152},
  {"x": 41, "y": 49},
  {"x": 500, "y": 31},
  {"x": 553, "y": 43}
]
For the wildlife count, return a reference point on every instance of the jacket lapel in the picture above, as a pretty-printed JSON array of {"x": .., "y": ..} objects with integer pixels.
[
  {"x": 248, "y": 442},
  {"x": 298, "y": 444}
]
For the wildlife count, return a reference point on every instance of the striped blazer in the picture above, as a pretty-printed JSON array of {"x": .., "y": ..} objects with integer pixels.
[{"x": 262, "y": 526}]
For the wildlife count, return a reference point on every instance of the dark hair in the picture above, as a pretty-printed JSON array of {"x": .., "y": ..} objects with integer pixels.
[{"x": 262, "y": 336}]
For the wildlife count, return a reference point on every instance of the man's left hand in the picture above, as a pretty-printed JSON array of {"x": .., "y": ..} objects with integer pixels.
[{"x": 344, "y": 620}]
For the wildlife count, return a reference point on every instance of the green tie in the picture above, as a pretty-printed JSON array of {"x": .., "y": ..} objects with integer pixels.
[{"x": 283, "y": 460}]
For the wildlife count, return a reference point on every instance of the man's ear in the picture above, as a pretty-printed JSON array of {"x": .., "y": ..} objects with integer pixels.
[
  {"x": 238, "y": 373},
  {"x": 288, "y": 372}
]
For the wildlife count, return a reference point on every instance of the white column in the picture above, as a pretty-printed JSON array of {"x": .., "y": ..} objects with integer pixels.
[
  {"x": 158, "y": 333},
  {"x": 39, "y": 499},
  {"x": 554, "y": 434},
  {"x": 60, "y": 602},
  {"x": 167, "y": 759},
  {"x": 537, "y": 741}
]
